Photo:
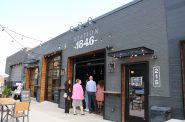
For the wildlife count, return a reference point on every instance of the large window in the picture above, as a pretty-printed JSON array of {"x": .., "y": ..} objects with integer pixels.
[{"x": 53, "y": 78}]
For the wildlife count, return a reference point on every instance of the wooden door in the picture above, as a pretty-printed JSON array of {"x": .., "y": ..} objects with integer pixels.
[
  {"x": 32, "y": 79},
  {"x": 70, "y": 69},
  {"x": 182, "y": 45},
  {"x": 123, "y": 93},
  {"x": 27, "y": 84},
  {"x": 43, "y": 79}
]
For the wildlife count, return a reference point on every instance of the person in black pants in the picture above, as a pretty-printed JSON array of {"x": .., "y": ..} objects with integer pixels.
[{"x": 68, "y": 92}]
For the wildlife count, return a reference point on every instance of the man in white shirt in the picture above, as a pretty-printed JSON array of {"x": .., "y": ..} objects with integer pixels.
[{"x": 91, "y": 92}]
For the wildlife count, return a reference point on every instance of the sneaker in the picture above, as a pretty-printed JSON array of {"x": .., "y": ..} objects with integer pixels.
[{"x": 86, "y": 110}]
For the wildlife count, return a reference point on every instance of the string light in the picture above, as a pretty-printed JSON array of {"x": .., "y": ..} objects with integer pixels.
[
  {"x": 2, "y": 28},
  {"x": 6, "y": 30},
  {"x": 15, "y": 39},
  {"x": 22, "y": 35},
  {"x": 22, "y": 38}
]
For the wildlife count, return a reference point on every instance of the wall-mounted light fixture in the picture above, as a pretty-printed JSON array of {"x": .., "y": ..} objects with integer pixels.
[
  {"x": 90, "y": 21},
  {"x": 72, "y": 29},
  {"x": 63, "y": 71},
  {"x": 81, "y": 25},
  {"x": 111, "y": 67},
  {"x": 108, "y": 47},
  {"x": 154, "y": 57}
]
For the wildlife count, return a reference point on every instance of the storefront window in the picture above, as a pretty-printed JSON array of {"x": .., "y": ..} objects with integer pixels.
[{"x": 53, "y": 78}]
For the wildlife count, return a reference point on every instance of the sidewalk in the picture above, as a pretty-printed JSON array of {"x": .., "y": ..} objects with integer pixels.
[
  {"x": 49, "y": 112},
  {"x": 175, "y": 120}
]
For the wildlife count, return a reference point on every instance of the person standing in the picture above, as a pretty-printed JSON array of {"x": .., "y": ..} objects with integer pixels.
[
  {"x": 77, "y": 96},
  {"x": 68, "y": 91},
  {"x": 100, "y": 94},
  {"x": 86, "y": 100},
  {"x": 91, "y": 90}
]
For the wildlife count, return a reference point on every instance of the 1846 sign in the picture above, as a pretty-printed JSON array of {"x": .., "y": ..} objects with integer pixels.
[
  {"x": 85, "y": 39},
  {"x": 156, "y": 76}
]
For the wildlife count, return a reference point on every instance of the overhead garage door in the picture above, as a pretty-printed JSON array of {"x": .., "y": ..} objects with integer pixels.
[{"x": 16, "y": 73}]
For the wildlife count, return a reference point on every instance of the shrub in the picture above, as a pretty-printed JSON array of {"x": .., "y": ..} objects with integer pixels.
[{"x": 7, "y": 91}]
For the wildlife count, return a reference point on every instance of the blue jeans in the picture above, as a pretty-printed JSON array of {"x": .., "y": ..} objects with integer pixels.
[{"x": 86, "y": 102}]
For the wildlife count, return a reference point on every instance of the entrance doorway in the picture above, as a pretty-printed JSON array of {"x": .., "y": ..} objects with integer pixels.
[
  {"x": 53, "y": 78},
  {"x": 90, "y": 64},
  {"x": 33, "y": 82},
  {"x": 136, "y": 92}
]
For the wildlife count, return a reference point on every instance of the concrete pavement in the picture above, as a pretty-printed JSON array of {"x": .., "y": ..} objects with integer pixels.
[
  {"x": 49, "y": 112},
  {"x": 175, "y": 120}
]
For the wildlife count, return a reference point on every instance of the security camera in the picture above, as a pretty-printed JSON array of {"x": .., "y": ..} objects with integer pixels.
[
  {"x": 108, "y": 47},
  {"x": 154, "y": 57}
]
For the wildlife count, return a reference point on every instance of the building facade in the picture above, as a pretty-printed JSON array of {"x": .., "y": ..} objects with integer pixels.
[
  {"x": 137, "y": 49},
  {"x": 15, "y": 67}
]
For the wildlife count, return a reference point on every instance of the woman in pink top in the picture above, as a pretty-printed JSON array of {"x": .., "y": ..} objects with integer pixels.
[
  {"x": 78, "y": 96},
  {"x": 99, "y": 93}
]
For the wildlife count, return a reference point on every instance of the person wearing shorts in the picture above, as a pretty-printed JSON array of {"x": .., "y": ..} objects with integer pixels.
[{"x": 77, "y": 96}]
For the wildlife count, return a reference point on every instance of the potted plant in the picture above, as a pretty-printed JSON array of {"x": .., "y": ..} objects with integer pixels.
[{"x": 6, "y": 91}]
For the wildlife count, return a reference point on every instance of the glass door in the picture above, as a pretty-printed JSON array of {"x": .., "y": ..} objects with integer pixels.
[
  {"x": 56, "y": 79},
  {"x": 136, "y": 85}
]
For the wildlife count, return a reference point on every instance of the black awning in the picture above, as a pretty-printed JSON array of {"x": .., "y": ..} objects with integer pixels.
[
  {"x": 133, "y": 52},
  {"x": 31, "y": 61}
]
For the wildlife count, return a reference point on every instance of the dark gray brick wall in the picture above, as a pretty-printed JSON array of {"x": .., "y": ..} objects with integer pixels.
[
  {"x": 175, "y": 18},
  {"x": 16, "y": 58},
  {"x": 112, "y": 108},
  {"x": 176, "y": 31}
]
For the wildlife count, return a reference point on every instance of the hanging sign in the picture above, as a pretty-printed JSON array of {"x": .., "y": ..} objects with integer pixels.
[
  {"x": 156, "y": 76},
  {"x": 86, "y": 39}
]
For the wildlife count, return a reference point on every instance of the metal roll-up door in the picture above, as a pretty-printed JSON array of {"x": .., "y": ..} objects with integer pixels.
[{"x": 16, "y": 73}]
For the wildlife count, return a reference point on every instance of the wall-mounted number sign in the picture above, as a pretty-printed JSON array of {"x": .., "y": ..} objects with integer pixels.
[
  {"x": 85, "y": 42},
  {"x": 156, "y": 76}
]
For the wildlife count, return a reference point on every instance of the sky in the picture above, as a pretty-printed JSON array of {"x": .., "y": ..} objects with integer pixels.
[{"x": 44, "y": 20}]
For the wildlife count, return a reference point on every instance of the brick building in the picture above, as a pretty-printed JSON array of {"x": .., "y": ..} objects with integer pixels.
[{"x": 137, "y": 49}]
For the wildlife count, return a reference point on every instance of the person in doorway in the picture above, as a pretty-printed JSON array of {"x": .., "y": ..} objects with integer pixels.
[
  {"x": 100, "y": 94},
  {"x": 77, "y": 96},
  {"x": 68, "y": 91},
  {"x": 91, "y": 91},
  {"x": 86, "y": 100}
]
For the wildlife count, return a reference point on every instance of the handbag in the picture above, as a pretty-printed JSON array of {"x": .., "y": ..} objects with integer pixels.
[{"x": 65, "y": 95}]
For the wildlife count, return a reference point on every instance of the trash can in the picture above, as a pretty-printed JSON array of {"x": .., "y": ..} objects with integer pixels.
[{"x": 160, "y": 114}]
